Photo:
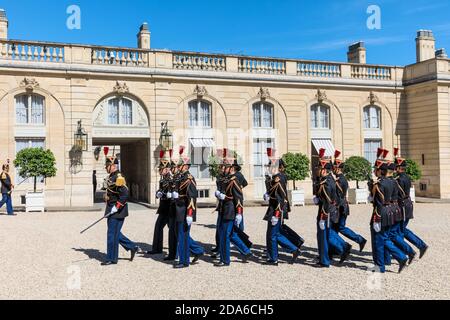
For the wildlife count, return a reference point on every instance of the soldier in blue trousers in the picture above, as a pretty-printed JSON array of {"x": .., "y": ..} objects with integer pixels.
[
  {"x": 275, "y": 215},
  {"x": 343, "y": 207},
  {"x": 381, "y": 221},
  {"x": 116, "y": 211},
  {"x": 6, "y": 187},
  {"x": 327, "y": 237},
  {"x": 407, "y": 207},
  {"x": 186, "y": 209}
]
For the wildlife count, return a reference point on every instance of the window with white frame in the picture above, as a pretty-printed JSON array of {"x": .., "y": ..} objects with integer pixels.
[
  {"x": 120, "y": 111},
  {"x": 320, "y": 116},
  {"x": 260, "y": 158},
  {"x": 370, "y": 149},
  {"x": 372, "y": 117},
  {"x": 30, "y": 109},
  {"x": 199, "y": 114},
  {"x": 262, "y": 115},
  {"x": 199, "y": 162},
  {"x": 24, "y": 143}
]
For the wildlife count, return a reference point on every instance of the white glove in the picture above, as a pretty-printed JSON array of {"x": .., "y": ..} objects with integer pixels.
[
  {"x": 159, "y": 195},
  {"x": 316, "y": 200},
  {"x": 113, "y": 210},
  {"x": 238, "y": 220},
  {"x": 322, "y": 224},
  {"x": 175, "y": 195},
  {"x": 274, "y": 221},
  {"x": 189, "y": 220},
  {"x": 217, "y": 194},
  {"x": 222, "y": 196},
  {"x": 169, "y": 195},
  {"x": 266, "y": 197},
  {"x": 377, "y": 227},
  {"x": 370, "y": 198}
]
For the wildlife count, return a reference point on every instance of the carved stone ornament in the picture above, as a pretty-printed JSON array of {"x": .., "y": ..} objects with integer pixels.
[
  {"x": 200, "y": 91},
  {"x": 321, "y": 95},
  {"x": 373, "y": 98},
  {"x": 264, "y": 93},
  {"x": 29, "y": 84},
  {"x": 121, "y": 88}
]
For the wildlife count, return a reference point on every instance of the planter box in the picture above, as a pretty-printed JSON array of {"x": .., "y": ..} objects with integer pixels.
[
  {"x": 297, "y": 197},
  {"x": 357, "y": 196},
  {"x": 35, "y": 202},
  {"x": 412, "y": 194}
]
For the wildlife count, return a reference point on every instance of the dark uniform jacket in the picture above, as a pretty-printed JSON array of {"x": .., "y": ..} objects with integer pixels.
[
  {"x": 186, "y": 204},
  {"x": 381, "y": 193},
  {"x": 394, "y": 208},
  {"x": 341, "y": 193},
  {"x": 328, "y": 199},
  {"x": 234, "y": 199},
  {"x": 278, "y": 199},
  {"x": 220, "y": 184},
  {"x": 5, "y": 179},
  {"x": 164, "y": 187},
  {"x": 404, "y": 201},
  {"x": 284, "y": 184},
  {"x": 117, "y": 195}
]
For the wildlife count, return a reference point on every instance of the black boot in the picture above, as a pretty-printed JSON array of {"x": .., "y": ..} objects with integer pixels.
[
  {"x": 180, "y": 266},
  {"x": 108, "y": 263},
  {"x": 133, "y": 253},
  {"x": 402, "y": 265},
  {"x": 362, "y": 245},
  {"x": 345, "y": 254},
  {"x": 294, "y": 256},
  {"x": 221, "y": 264},
  {"x": 422, "y": 252},
  {"x": 196, "y": 257},
  {"x": 411, "y": 257}
]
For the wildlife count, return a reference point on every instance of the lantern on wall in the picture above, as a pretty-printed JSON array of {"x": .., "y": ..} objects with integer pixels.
[
  {"x": 81, "y": 137},
  {"x": 166, "y": 137}
]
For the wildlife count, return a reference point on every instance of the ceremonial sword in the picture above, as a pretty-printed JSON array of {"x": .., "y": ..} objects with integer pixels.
[{"x": 104, "y": 217}]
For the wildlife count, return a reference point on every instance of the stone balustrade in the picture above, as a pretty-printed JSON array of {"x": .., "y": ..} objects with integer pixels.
[
  {"x": 367, "y": 72},
  {"x": 262, "y": 66},
  {"x": 318, "y": 69},
  {"x": 187, "y": 61},
  {"x": 119, "y": 57},
  {"x": 31, "y": 51}
]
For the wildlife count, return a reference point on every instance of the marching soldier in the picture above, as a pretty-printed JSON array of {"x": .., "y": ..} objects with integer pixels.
[
  {"x": 381, "y": 221},
  {"x": 343, "y": 207},
  {"x": 186, "y": 207},
  {"x": 116, "y": 212},
  {"x": 276, "y": 195},
  {"x": 232, "y": 211},
  {"x": 165, "y": 197},
  {"x": 327, "y": 238},
  {"x": 404, "y": 186},
  {"x": 243, "y": 183},
  {"x": 220, "y": 184},
  {"x": 6, "y": 188}
]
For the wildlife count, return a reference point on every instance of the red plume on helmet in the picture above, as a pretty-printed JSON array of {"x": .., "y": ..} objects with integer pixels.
[
  {"x": 322, "y": 153},
  {"x": 396, "y": 152},
  {"x": 181, "y": 150},
  {"x": 161, "y": 154},
  {"x": 385, "y": 153},
  {"x": 337, "y": 153},
  {"x": 379, "y": 152},
  {"x": 106, "y": 150},
  {"x": 269, "y": 152},
  {"x": 170, "y": 153}
]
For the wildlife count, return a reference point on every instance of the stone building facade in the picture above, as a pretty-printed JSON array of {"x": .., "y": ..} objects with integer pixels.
[{"x": 211, "y": 101}]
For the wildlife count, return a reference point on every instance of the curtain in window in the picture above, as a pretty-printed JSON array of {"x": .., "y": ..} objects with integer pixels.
[
  {"x": 370, "y": 149},
  {"x": 193, "y": 114},
  {"x": 314, "y": 117},
  {"x": 205, "y": 120},
  {"x": 37, "y": 109},
  {"x": 324, "y": 117},
  {"x": 256, "y": 116},
  {"x": 113, "y": 111},
  {"x": 374, "y": 118},
  {"x": 127, "y": 111},
  {"x": 267, "y": 116},
  {"x": 366, "y": 118},
  {"x": 22, "y": 109}
]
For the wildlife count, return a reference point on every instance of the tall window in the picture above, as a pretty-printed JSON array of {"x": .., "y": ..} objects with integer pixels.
[
  {"x": 199, "y": 114},
  {"x": 30, "y": 109},
  {"x": 120, "y": 111},
  {"x": 260, "y": 159},
  {"x": 199, "y": 158},
  {"x": 262, "y": 115},
  {"x": 28, "y": 143},
  {"x": 370, "y": 149},
  {"x": 320, "y": 117},
  {"x": 372, "y": 117}
]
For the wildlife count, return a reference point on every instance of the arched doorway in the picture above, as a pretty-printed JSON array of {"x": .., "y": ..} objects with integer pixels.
[{"x": 121, "y": 124}]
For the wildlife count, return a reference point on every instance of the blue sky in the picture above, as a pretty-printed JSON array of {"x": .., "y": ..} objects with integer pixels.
[{"x": 320, "y": 29}]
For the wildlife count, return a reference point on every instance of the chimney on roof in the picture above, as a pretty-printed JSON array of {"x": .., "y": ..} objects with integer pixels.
[
  {"x": 357, "y": 53},
  {"x": 441, "y": 53},
  {"x": 425, "y": 45},
  {"x": 144, "y": 37},
  {"x": 3, "y": 25}
]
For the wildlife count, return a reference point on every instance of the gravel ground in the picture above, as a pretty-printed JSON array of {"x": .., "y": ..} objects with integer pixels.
[{"x": 43, "y": 256}]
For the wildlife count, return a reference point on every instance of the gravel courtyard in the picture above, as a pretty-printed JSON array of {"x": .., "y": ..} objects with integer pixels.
[{"x": 43, "y": 256}]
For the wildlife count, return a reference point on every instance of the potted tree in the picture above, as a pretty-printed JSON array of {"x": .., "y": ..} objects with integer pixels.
[
  {"x": 35, "y": 163},
  {"x": 297, "y": 169},
  {"x": 415, "y": 173},
  {"x": 357, "y": 169}
]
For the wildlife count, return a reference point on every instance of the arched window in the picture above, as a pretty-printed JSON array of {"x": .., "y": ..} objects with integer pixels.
[
  {"x": 262, "y": 115},
  {"x": 120, "y": 111},
  {"x": 320, "y": 116},
  {"x": 199, "y": 114},
  {"x": 372, "y": 117},
  {"x": 30, "y": 109}
]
